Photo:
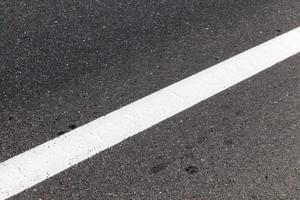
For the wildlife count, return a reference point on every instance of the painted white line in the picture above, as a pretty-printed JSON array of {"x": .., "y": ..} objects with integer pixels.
[{"x": 54, "y": 156}]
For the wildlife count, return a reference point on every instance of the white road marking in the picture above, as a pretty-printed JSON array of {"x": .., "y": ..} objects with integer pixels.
[{"x": 54, "y": 156}]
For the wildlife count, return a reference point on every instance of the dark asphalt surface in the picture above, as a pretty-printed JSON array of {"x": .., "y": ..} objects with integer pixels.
[
  {"x": 65, "y": 63},
  {"x": 240, "y": 144}
]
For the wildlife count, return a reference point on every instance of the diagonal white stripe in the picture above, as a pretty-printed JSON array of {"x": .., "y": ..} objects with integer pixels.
[{"x": 54, "y": 156}]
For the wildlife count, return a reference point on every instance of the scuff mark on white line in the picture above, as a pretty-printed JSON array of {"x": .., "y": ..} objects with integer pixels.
[{"x": 54, "y": 156}]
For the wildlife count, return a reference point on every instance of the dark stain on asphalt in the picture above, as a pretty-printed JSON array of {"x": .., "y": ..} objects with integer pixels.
[
  {"x": 228, "y": 141},
  {"x": 238, "y": 112},
  {"x": 225, "y": 107},
  {"x": 216, "y": 58},
  {"x": 191, "y": 169},
  {"x": 72, "y": 126},
  {"x": 278, "y": 30},
  {"x": 11, "y": 118},
  {"x": 157, "y": 168}
]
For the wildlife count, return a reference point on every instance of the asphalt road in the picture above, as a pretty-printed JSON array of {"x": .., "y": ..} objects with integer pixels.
[{"x": 66, "y": 63}]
